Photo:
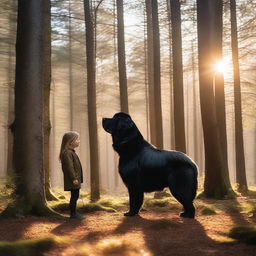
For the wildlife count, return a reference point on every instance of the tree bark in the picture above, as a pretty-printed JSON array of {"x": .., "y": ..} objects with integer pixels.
[
  {"x": 178, "y": 92},
  {"x": 157, "y": 75},
  {"x": 121, "y": 57},
  {"x": 214, "y": 185},
  {"x": 150, "y": 69},
  {"x": 172, "y": 132},
  {"x": 70, "y": 66},
  {"x": 146, "y": 76},
  {"x": 29, "y": 116},
  {"x": 91, "y": 97},
  {"x": 239, "y": 140},
  {"x": 11, "y": 63},
  {"x": 46, "y": 66},
  {"x": 219, "y": 85}
]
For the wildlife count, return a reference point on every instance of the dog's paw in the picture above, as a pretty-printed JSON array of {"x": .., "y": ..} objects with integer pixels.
[
  {"x": 130, "y": 214},
  {"x": 187, "y": 215}
]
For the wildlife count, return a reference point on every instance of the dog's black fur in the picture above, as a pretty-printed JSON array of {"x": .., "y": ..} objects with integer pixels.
[{"x": 144, "y": 168}]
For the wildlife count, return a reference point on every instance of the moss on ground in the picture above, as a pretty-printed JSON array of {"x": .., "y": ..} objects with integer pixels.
[
  {"x": 231, "y": 207},
  {"x": 117, "y": 204},
  {"x": 94, "y": 207},
  {"x": 28, "y": 247},
  {"x": 246, "y": 234},
  {"x": 112, "y": 247},
  {"x": 161, "y": 205},
  {"x": 206, "y": 210},
  {"x": 163, "y": 224},
  {"x": 84, "y": 205}
]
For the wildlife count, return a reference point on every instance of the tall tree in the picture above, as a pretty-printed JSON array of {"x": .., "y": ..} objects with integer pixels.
[
  {"x": 29, "y": 117},
  {"x": 217, "y": 39},
  {"x": 214, "y": 185},
  {"x": 150, "y": 71},
  {"x": 157, "y": 75},
  {"x": 146, "y": 73},
  {"x": 239, "y": 140},
  {"x": 178, "y": 93},
  {"x": 70, "y": 64},
  {"x": 172, "y": 132},
  {"x": 91, "y": 98},
  {"x": 198, "y": 136},
  {"x": 46, "y": 80},
  {"x": 121, "y": 57},
  {"x": 11, "y": 63}
]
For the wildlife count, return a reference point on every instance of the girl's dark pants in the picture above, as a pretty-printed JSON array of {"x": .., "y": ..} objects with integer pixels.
[{"x": 73, "y": 200}]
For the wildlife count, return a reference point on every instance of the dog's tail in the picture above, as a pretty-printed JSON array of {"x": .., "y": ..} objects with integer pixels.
[{"x": 194, "y": 180}]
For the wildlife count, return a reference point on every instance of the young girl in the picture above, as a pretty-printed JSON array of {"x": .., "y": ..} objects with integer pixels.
[{"x": 72, "y": 169}]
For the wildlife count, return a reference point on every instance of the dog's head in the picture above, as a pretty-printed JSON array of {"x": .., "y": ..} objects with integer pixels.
[
  {"x": 118, "y": 125},
  {"x": 121, "y": 127}
]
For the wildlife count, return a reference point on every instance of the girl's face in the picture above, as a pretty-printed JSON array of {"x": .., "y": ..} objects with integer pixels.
[{"x": 75, "y": 143}]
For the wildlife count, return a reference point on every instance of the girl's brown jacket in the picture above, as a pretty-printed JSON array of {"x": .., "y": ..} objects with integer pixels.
[{"x": 72, "y": 169}]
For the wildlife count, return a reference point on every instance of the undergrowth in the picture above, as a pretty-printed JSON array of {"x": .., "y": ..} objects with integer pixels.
[
  {"x": 246, "y": 234},
  {"x": 28, "y": 247}
]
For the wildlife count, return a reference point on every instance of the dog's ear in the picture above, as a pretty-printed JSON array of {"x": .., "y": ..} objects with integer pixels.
[
  {"x": 125, "y": 124},
  {"x": 121, "y": 115}
]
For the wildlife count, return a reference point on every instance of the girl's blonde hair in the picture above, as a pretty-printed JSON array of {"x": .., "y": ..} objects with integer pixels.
[{"x": 67, "y": 139}]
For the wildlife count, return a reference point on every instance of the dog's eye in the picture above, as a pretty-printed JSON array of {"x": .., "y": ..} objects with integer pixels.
[{"x": 125, "y": 124}]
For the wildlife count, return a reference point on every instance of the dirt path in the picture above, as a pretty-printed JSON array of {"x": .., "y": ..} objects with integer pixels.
[{"x": 150, "y": 234}]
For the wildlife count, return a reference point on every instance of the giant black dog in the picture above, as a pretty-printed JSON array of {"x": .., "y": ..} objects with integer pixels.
[{"x": 144, "y": 168}]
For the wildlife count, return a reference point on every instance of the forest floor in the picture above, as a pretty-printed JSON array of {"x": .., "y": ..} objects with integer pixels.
[{"x": 157, "y": 231}]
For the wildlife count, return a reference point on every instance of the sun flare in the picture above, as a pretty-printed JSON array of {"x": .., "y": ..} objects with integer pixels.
[{"x": 220, "y": 66}]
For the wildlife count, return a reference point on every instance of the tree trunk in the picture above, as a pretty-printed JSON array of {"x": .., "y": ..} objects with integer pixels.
[
  {"x": 91, "y": 97},
  {"x": 239, "y": 140},
  {"x": 214, "y": 185},
  {"x": 121, "y": 57},
  {"x": 11, "y": 61},
  {"x": 219, "y": 86},
  {"x": 195, "y": 114},
  {"x": 150, "y": 60},
  {"x": 178, "y": 92},
  {"x": 254, "y": 154},
  {"x": 146, "y": 76},
  {"x": 29, "y": 115},
  {"x": 172, "y": 132},
  {"x": 46, "y": 58},
  {"x": 156, "y": 80},
  {"x": 70, "y": 66},
  {"x": 157, "y": 75}
]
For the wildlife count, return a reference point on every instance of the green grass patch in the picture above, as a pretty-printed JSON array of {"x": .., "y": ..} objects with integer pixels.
[
  {"x": 163, "y": 224},
  {"x": 252, "y": 212},
  {"x": 206, "y": 210},
  {"x": 61, "y": 197},
  {"x": 27, "y": 247},
  {"x": 249, "y": 207},
  {"x": 251, "y": 193},
  {"x": 84, "y": 205},
  {"x": 233, "y": 208},
  {"x": 246, "y": 234},
  {"x": 94, "y": 207},
  {"x": 115, "y": 247},
  {"x": 63, "y": 206},
  {"x": 160, "y": 205},
  {"x": 162, "y": 194},
  {"x": 116, "y": 204},
  {"x": 59, "y": 206}
]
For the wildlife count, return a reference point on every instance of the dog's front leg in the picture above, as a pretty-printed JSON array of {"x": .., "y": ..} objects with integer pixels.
[{"x": 136, "y": 197}]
